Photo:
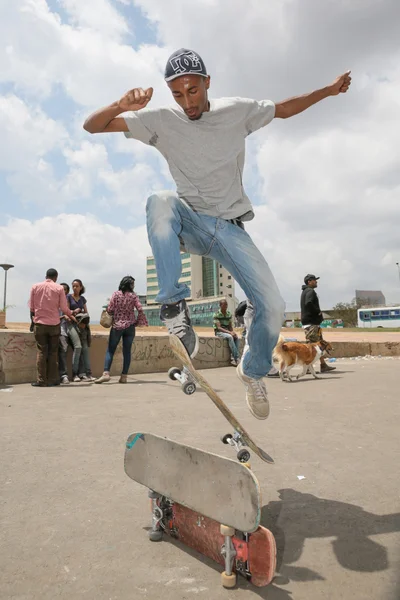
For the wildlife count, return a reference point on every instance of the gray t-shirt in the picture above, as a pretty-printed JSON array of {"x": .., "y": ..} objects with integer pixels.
[{"x": 205, "y": 157}]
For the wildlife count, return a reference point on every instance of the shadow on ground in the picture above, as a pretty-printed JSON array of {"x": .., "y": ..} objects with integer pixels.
[
  {"x": 299, "y": 516},
  {"x": 296, "y": 517}
]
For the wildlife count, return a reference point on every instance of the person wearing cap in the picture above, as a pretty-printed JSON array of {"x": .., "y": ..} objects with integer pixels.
[
  {"x": 203, "y": 142},
  {"x": 311, "y": 315}
]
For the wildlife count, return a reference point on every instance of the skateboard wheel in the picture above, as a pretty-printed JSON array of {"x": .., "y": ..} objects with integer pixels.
[
  {"x": 189, "y": 388},
  {"x": 225, "y": 530},
  {"x": 155, "y": 536},
  {"x": 225, "y": 439},
  {"x": 172, "y": 372},
  {"x": 228, "y": 581},
  {"x": 243, "y": 455}
]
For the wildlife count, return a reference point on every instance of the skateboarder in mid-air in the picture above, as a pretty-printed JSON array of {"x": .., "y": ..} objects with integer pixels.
[{"x": 203, "y": 141}]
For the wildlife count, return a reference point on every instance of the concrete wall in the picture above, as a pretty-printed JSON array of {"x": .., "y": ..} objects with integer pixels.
[{"x": 150, "y": 354}]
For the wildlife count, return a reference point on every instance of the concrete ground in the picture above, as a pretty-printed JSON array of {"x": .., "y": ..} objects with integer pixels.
[{"x": 74, "y": 526}]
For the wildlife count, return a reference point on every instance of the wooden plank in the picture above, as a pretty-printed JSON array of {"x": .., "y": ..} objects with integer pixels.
[
  {"x": 203, "y": 534},
  {"x": 180, "y": 351},
  {"x": 217, "y": 487}
]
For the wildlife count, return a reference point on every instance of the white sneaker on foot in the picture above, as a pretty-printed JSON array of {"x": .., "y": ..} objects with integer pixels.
[
  {"x": 64, "y": 380},
  {"x": 256, "y": 394},
  {"x": 76, "y": 378},
  {"x": 177, "y": 319},
  {"x": 105, "y": 377}
]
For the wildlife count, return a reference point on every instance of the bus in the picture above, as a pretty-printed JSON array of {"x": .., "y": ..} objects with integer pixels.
[{"x": 387, "y": 316}]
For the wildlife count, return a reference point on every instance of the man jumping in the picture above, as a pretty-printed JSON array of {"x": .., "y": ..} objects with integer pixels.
[{"x": 203, "y": 141}]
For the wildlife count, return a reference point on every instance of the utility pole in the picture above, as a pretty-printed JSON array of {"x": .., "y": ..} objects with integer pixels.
[{"x": 6, "y": 269}]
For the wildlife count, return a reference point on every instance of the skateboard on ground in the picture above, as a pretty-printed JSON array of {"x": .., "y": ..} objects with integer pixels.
[
  {"x": 209, "y": 503},
  {"x": 239, "y": 439}
]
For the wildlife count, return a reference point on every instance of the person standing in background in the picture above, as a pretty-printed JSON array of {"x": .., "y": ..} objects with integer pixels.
[
  {"x": 63, "y": 343},
  {"x": 122, "y": 306},
  {"x": 311, "y": 315},
  {"x": 46, "y": 301},
  {"x": 80, "y": 335}
]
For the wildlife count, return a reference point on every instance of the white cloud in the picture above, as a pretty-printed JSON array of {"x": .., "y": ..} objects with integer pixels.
[
  {"x": 328, "y": 180},
  {"x": 97, "y": 15},
  {"x": 27, "y": 133},
  {"x": 77, "y": 246},
  {"x": 90, "y": 63}
]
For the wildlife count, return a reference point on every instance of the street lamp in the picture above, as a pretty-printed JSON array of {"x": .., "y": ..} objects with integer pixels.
[
  {"x": 6, "y": 268},
  {"x": 398, "y": 269}
]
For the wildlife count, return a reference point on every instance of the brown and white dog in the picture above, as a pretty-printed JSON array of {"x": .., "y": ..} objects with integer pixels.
[{"x": 290, "y": 354}]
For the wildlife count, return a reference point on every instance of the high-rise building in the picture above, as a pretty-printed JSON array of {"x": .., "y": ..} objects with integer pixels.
[
  {"x": 204, "y": 276},
  {"x": 208, "y": 282}
]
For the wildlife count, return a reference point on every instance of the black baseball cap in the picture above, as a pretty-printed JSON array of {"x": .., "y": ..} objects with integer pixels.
[
  {"x": 309, "y": 277},
  {"x": 184, "y": 62}
]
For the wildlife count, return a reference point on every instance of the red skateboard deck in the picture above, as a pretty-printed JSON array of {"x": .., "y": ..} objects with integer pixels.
[{"x": 255, "y": 552}]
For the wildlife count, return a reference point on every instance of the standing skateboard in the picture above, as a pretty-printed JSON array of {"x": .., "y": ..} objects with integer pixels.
[
  {"x": 240, "y": 439},
  {"x": 209, "y": 503}
]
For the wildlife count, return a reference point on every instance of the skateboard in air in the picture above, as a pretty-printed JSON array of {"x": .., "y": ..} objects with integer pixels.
[
  {"x": 207, "y": 502},
  {"x": 240, "y": 440}
]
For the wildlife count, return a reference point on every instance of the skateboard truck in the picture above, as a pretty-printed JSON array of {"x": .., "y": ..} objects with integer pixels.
[
  {"x": 156, "y": 532},
  {"x": 184, "y": 378},
  {"x": 236, "y": 441},
  {"x": 228, "y": 551}
]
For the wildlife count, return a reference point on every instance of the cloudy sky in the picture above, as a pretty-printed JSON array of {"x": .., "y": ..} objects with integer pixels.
[{"x": 325, "y": 184}]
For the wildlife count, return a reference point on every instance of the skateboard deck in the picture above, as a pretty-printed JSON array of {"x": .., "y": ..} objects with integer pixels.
[
  {"x": 217, "y": 487},
  {"x": 255, "y": 553},
  {"x": 180, "y": 352}
]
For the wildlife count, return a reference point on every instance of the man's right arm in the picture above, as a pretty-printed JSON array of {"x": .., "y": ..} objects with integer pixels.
[{"x": 107, "y": 120}]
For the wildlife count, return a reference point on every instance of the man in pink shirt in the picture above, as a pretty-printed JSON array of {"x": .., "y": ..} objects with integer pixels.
[{"x": 46, "y": 300}]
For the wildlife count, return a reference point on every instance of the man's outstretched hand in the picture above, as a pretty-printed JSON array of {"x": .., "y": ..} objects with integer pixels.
[
  {"x": 135, "y": 99},
  {"x": 341, "y": 84}
]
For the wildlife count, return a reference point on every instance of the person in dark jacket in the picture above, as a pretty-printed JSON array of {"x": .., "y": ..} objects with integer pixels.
[{"x": 311, "y": 315}]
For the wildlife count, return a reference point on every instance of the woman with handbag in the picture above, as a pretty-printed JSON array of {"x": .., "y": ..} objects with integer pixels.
[{"x": 122, "y": 306}]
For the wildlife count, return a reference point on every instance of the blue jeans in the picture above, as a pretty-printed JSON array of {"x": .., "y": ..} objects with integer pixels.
[
  {"x": 77, "y": 344},
  {"x": 233, "y": 343},
  {"x": 171, "y": 222},
  {"x": 127, "y": 335}
]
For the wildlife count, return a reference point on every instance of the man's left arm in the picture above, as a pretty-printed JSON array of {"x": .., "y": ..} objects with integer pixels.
[{"x": 294, "y": 106}]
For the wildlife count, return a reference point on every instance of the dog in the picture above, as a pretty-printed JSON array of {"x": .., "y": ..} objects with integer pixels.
[{"x": 291, "y": 353}]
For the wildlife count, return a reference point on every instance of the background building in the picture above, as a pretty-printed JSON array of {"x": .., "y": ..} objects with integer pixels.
[
  {"x": 208, "y": 282},
  {"x": 367, "y": 298}
]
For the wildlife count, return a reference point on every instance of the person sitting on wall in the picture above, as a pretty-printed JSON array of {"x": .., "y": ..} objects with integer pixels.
[{"x": 223, "y": 328}]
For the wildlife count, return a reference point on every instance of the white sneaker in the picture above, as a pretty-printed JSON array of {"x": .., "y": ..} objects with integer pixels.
[
  {"x": 64, "y": 380},
  {"x": 177, "y": 319},
  {"x": 256, "y": 394},
  {"x": 85, "y": 378},
  {"x": 105, "y": 377},
  {"x": 76, "y": 378}
]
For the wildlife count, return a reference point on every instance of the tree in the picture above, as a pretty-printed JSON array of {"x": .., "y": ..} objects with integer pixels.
[{"x": 347, "y": 311}]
